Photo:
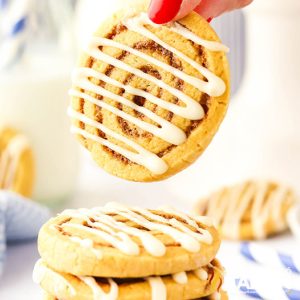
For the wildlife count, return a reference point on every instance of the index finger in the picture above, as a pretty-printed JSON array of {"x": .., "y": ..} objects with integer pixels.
[{"x": 163, "y": 11}]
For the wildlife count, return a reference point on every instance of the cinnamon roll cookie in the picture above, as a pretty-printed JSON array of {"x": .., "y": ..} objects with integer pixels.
[
  {"x": 199, "y": 283},
  {"x": 147, "y": 99},
  {"x": 16, "y": 162},
  {"x": 215, "y": 296},
  {"x": 122, "y": 242},
  {"x": 250, "y": 210}
]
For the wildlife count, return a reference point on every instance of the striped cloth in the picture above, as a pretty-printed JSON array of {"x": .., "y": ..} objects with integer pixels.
[
  {"x": 269, "y": 257},
  {"x": 20, "y": 220},
  {"x": 280, "y": 277}
]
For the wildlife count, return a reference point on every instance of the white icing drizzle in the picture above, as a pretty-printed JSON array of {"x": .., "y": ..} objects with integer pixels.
[
  {"x": 215, "y": 86},
  {"x": 181, "y": 30},
  {"x": 151, "y": 244},
  {"x": 119, "y": 234},
  {"x": 194, "y": 81},
  {"x": 60, "y": 283},
  {"x": 192, "y": 110},
  {"x": 201, "y": 274},
  {"x": 166, "y": 130},
  {"x": 120, "y": 240},
  {"x": 217, "y": 296},
  {"x": 189, "y": 219},
  {"x": 9, "y": 160},
  {"x": 177, "y": 230},
  {"x": 158, "y": 288},
  {"x": 87, "y": 243},
  {"x": 210, "y": 45},
  {"x": 98, "y": 293},
  {"x": 180, "y": 277},
  {"x": 141, "y": 156},
  {"x": 96, "y": 53},
  {"x": 157, "y": 285},
  {"x": 229, "y": 205},
  {"x": 192, "y": 222}
]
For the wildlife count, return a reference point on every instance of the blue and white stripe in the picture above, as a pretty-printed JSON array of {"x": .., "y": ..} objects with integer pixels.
[
  {"x": 269, "y": 257},
  {"x": 15, "y": 22},
  {"x": 20, "y": 219},
  {"x": 268, "y": 289},
  {"x": 2, "y": 234}
]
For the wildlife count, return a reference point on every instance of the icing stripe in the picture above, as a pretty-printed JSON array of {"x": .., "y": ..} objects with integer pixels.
[
  {"x": 166, "y": 131},
  {"x": 205, "y": 236},
  {"x": 96, "y": 53},
  {"x": 9, "y": 159},
  {"x": 190, "y": 220},
  {"x": 185, "y": 239},
  {"x": 194, "y": 81},
  {"x": 210, "y": 45},
  {"x": 181, "y": 30},
  {"x": 119, "y": 234},
  {"x": 158, "y": 288},
  {"x": 201, "y": 274},
  {"x": 189, "y": 111},
  {"x": 180, "y": 278},
  {"x": 150, "y": 243},
  {"x": 98, "y": 293},
  {"x": 157, "y": 285},
  {"x": 143, "y": 157},
  {"x": 120, "y": 240},
  {"x": 216, "y": 86},
  {"x": 87, "y": 243},
  {"x": 59, "y": 282}
]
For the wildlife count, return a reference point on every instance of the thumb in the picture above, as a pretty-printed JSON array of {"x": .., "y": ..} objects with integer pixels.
[{"x": 163, "y": 11}]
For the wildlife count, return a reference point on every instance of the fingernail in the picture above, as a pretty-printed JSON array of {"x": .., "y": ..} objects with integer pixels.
[{"x": 163, "y": 11}]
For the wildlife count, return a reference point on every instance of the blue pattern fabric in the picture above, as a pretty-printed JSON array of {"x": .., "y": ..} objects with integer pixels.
[{"x": 20, "y": 220}]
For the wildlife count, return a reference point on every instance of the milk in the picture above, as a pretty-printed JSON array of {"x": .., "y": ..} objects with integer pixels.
[{"x": 34, "y": 99}]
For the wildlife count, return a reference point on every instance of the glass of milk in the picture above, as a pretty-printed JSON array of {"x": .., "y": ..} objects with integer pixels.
[{"x": 34, "y": 99}]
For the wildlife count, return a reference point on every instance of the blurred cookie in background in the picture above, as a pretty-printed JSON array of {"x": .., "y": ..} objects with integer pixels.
[
  {"x": 16, "y": 162},
  {"x": 249, "y": 210}
]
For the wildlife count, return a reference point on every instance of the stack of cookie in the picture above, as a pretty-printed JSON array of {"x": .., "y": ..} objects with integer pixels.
[{"x": 118, "y": 252}]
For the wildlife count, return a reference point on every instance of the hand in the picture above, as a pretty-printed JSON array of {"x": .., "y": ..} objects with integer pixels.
[{"x": 163, "y": 11}]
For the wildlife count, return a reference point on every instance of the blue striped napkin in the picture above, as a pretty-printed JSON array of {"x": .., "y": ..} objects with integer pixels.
[
  {"x": 20, "y": 220},
  {"x": 280, "y": 277}
]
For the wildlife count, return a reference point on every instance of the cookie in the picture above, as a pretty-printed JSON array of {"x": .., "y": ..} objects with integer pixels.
[
  {"x": 16, "y": 162},
  {"x": 47, "y": 296},
  {"x": 215, "y": 296},
  {"x": 147, "y": 99},
  {"x": 185, "y": 285},
  {"x": 122, "y": 242},
  {"x": 221, "y": 295},
  {"x": 250, "y": 210}
]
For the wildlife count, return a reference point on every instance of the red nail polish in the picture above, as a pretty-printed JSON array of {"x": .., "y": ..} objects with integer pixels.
[
  {"x": 164, "y": 11},
  {"x": 209, "y": 19}
]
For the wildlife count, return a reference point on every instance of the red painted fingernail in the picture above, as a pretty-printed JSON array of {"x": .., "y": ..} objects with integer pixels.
[
  {"x": 209, "y": 19},
  {"x": 163, "y": 11}
]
